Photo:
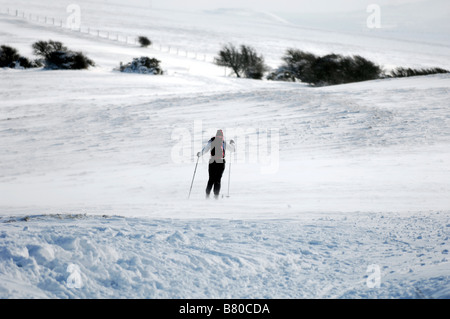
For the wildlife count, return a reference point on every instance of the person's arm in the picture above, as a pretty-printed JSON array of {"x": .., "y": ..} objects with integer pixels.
[
  {"x": 230, "y": 146},
  {"x": 205, "y": 149}
]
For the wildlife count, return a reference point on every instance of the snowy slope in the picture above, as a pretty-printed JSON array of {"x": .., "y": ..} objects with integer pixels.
[
  {"x": 341, "y": 148},
  {"x": 205, "y": 32},
  {"x": 93, "y": 185},
  {"x": 421, "y": 21}
]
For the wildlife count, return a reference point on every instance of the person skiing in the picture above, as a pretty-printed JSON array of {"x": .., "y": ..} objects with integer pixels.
[{"x": 217, "y": 145}]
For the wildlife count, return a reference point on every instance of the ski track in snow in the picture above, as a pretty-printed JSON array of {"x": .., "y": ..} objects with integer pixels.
[{"x": 92, "y": 205}]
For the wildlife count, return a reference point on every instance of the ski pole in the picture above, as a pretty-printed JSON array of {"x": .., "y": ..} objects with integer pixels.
[
  {"x": 229, "y": 176},
  {"x": 192, "y": 183}
]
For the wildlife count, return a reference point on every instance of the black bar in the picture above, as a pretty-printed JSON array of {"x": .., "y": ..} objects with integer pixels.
[{"x": 221, "y": 308}]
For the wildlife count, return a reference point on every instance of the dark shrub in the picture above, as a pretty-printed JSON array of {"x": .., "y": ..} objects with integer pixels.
[
  {"x": 144, "y": 41},
  {"x": 143, "y": 65},
  {"x": 61, "y": 60},
  {"x": 298, "y": 62},
  {"x": 80, "y": 61},
  {"x": 229, "y": 57},
  {"x": 56, "y": 56},
  {"x": 244, "y": 62},
  {"x": 326, "y": 70},
  {"x": 57, "y": 60},
  {"x": 10, "y": 58},
  {"x": 406, "y": 72},
  {"x": 281, "y": 74},
  {"x": 362, "y": 69},
  {"x": 25, "y": 63},
  {"x": 252, "y": 64},
  {"x": 45, "y": 49}
]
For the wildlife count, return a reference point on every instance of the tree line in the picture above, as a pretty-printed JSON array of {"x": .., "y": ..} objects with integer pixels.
[
  {"x": 298, "y": 65},
  {"x": 244, "y": 61}
]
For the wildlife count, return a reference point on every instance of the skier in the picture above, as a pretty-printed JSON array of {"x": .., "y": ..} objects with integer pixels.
[{"x": 218, "y": 146}]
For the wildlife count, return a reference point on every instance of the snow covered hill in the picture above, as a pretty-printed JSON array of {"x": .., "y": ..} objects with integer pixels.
[{"x": 336, "y": 192}]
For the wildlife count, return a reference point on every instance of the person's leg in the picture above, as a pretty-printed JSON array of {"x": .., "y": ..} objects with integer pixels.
[
  {"x": 210, "y": 184},
  {"x": 219, "y": 172}
]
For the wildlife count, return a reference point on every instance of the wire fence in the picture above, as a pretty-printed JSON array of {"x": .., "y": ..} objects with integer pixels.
[{"x": 107, "y": 35}]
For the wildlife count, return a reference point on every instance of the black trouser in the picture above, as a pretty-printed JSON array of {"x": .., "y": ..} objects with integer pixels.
[{"x": 215, "y": 175}]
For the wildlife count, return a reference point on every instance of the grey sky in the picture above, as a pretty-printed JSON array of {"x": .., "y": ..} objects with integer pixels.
[{"x": 293, "y": 6}]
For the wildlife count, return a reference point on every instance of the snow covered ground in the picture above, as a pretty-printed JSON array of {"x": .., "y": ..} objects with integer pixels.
[
  {"x": 350, "y": 200},
  {"x": 320, "y": 255}
]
